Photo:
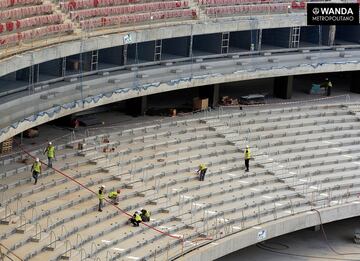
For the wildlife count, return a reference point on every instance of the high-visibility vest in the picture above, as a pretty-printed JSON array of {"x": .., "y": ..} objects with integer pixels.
[
  {"x": 113, "y": 194},
  {"x": 147, "y": 214},
  {"x": 51, "y": 151},
  {"x": 202, "y": 167},
  {"x": 101, "y": 194},
  {"x": 329, "y": 84},
  {"x": 247, "y": 154},
  {"x": 137, "y": 217},
  {"x": 37, "y": 167}
]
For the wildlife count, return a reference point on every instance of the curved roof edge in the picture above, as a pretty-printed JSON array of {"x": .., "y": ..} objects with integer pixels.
[
  {"x": 118, "y": 93},
  {"x": 26, "y": 59}
]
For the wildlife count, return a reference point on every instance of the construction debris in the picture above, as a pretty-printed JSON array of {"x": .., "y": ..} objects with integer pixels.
[{"x": 228, "y": 101}]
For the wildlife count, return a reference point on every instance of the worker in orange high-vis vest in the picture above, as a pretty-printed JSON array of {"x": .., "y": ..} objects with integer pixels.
[
  {"x": 50, "y": 150},
  {"x": 247, "y": 157},
  {"x": 36, "y": 170}
]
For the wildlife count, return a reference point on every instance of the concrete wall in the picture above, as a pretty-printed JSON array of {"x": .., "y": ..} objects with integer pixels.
[
  {"x": 141, "y": 52},
  {"x": 179, "y": 46},
  {"x": 247, "y": 237},
  {"x": 110, "y": 93},
  {"x": 52, "y": 67},
  {"x": 350, "y": 33},
  {"x": 309, "y": 34},
  {"x": 276, "y": 37},
  {"x": 210, "y": 43},
  {"x": 113, "y": 55},
  {"x": 244, "y": 39}
]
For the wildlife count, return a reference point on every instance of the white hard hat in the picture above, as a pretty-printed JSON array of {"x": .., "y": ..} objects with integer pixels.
[
  {"x": 102, "y": 186},
  {"x": 37, "y": 159},
  {"x": 50, "y": 142},
  {"x": 247, "y": 146}
]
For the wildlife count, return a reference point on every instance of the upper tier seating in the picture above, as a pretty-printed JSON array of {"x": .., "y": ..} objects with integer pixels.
[
  {"x": 247, "y": 9},
  {"x": 8, "y": 3},
  {"x": 29, "y": 20},
  {"x": 100, "y": 13}
]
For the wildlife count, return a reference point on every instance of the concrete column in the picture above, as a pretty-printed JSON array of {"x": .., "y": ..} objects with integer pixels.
[
  {"x": 211, "y": 92},
  {"x": 124, "y": 54},
  {"x": 136, "y": 106},
  {"x": 283, "y": 87},
  {"x": 259, "y": 40},
  {"x": 332, "y": 32},
  {"x": 215, "y": 98},
  {"x": 354, "y": 83},
  {"x": 143, "y": 105}
]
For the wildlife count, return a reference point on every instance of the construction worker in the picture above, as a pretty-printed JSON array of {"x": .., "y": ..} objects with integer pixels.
[
  {"x": 145, "y": 215},
  {"x": 247, "y": 157},
  {"x": 36, "y": 169},
  {"x": 50, "y": 150},
  {"x": 136, "y": 219},
  {"x": 101, "y": 197},
  {"x": 114, "y": 196},
  {"x": 327, "y": 85},
  {"x": 202, "y": 171}
]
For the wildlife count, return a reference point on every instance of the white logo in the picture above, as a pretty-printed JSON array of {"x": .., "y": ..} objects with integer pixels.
[
  {"x": 336, "y": 11},
  {"x": 316, "y": 11},
  {"x": 127, "y": 39}
]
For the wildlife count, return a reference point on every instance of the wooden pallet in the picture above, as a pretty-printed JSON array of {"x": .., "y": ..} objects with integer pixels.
[{"x": 6, "y": 146}]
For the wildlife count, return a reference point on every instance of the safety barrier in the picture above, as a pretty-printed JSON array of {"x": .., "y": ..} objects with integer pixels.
[
  {"x": 36, "y": 33},
  {"x": 30, "y": 22},
  {"x": 122, "y": 10},
  {"x": 138, "y": 18}
]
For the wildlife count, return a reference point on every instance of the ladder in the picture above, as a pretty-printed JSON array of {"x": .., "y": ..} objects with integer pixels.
[
  {"x": 94, "y": 60},
  {"x": 225, "y": 41},
  {"x": 294, "y": 37},
  {"x": 158, "y": 49}
]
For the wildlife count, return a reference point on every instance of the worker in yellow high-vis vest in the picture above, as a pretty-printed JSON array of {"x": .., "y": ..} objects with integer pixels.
[
  {"x": 101, "y": 197},
  {"x": 145, "y": 215},
  {"x": 50, "y": 151},
  {"x": 247, "y": 157},
  {"x": 114, "y": 196},
  {"x": 36, "y": 170},
  {"x": 136, "y": 219},
  {"x": 202, "y": 171}
]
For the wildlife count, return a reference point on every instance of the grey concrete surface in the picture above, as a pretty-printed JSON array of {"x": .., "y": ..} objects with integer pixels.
[
  {"x": 222, "y": 70},
  {"x": 276, "y": 228},
  {"x": 307, "y": 245}
]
